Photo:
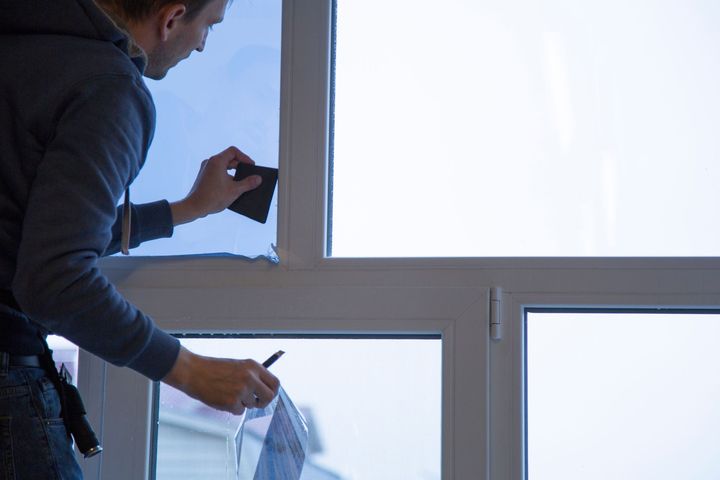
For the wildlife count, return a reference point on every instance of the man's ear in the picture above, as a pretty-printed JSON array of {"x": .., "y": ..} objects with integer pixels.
[{"x": 169, "y": 16}]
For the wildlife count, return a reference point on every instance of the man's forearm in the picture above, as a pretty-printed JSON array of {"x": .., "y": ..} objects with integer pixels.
[{"x": 183, "y": 212}]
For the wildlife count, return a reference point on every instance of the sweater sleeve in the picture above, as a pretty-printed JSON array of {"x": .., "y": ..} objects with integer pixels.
[
  {"x": 150, "y": 221},
  {"x": 103, "y": 132}
]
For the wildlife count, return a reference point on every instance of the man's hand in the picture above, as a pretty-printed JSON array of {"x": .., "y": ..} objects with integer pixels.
[
  {"x": 214, "y": 188},
  {"x": 223, "y": 384}
]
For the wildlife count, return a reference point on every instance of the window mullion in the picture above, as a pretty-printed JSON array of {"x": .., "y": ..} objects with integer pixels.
[{"x": 304, "y": 127}]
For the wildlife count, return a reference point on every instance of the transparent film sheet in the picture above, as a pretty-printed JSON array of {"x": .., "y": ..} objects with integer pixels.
[{"x": 283, "y": 433}]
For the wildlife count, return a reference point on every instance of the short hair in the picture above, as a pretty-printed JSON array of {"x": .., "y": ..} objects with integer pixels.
[{"x": 134, "y": 10}]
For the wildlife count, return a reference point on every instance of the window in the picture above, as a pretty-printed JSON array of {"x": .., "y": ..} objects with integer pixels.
[
  {"x": 460, "y": 129},
  {"x": 400, "y": 313},
  {"x": 362, "y": 397},
  {"x": 622, "y": 394},
  {"x": 227, "y": 95},
  {"x": 312, "y": 293}
]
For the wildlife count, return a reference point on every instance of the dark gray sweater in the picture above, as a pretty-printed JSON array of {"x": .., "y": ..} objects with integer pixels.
[{"x": 76, "y": 121}]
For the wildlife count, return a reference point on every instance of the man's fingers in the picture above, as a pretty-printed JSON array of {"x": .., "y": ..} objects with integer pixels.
[
  {"x": 262, "y": 390},
  {"x": 262, "y": 396},
  {"x": 232, "y": 156},
  {"x": 270, "y": 380}
]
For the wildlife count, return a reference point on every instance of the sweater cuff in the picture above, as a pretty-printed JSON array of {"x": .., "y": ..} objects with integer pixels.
[
  {"x": 151, "y": 221},
  {"x": 158, "y": 358}
]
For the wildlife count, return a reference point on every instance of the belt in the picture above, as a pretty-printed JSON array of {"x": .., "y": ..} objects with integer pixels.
[{"x": 24, "y": 361}]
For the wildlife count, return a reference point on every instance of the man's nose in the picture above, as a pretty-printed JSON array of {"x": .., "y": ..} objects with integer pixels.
[{"x": 201, "y": 47}]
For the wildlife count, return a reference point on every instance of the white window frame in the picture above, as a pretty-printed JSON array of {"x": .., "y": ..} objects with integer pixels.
[
  {"x": 648, "y": 289},
  {"x": 482, "y": 399}
]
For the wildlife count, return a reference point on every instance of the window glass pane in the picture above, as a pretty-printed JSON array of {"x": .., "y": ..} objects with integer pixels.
[
  {"x": 623, "y": 395},
  {"x": 372, "y": 406},
  {"x": 229, "y": 94},
  {"x": 462, "y": 126}
]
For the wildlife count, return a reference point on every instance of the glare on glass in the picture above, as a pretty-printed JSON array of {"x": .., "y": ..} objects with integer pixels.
[
  {"x": 64, "y": 353},
  {"x": 461, "y": 126},
  {"x": 623, "y": 396},
  {"x": 372, "y": 408},
  {"x": 229, "y": 94}
]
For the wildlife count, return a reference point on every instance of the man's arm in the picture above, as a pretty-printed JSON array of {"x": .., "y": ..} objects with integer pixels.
[
  {"x": 213, "y": 190},
  {"x": 99, "y": 144},
  {"x": 102, "y": 134},
  {"x": 150, "y": 221}
]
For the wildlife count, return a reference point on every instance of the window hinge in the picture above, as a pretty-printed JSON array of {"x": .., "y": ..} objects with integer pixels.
[{"x": 496, "y": 313}]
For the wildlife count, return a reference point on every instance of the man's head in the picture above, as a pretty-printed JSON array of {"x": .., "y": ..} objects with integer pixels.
[{"x": 168, "y": 30}]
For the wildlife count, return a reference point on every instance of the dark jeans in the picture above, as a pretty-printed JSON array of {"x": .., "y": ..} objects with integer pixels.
[{"x": 33, "y": 440}]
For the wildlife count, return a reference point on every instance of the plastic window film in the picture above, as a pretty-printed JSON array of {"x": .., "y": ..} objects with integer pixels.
[{"x": 282, "y": 447}]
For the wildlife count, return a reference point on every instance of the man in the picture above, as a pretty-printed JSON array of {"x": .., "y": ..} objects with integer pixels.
[{"x": 76, "y": 121}]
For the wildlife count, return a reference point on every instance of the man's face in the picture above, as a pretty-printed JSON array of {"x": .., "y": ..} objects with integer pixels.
[{"x": 186, "y": 36}]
